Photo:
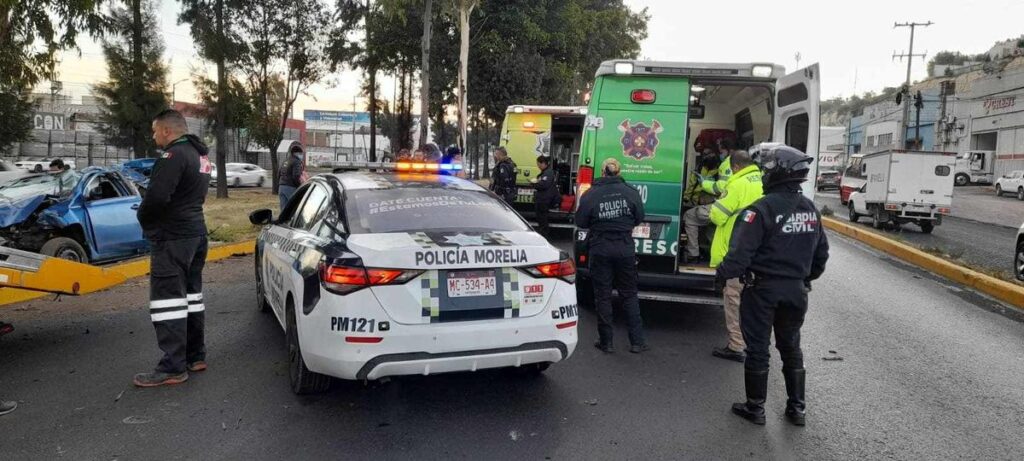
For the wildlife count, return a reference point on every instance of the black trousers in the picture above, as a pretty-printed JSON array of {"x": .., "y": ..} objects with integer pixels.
[
  {"x": 176, "y": 301},
  {"x": 617, "y": 271},
  {"x": 778, "y": 304},
  {"x": 541, "y": 211}
]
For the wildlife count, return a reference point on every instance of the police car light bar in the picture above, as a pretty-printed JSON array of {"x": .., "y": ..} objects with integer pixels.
[{"x": 404, "y": 166}]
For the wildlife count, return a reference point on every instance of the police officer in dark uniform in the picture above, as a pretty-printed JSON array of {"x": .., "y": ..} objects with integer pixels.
[
  {"x": 546, "y": 195},
  {"x": 171, "y": 215},
  {"x": 610, "y": 210},
  {"x": 503, "y": 178},
  {"x": 778, "y": 247}
]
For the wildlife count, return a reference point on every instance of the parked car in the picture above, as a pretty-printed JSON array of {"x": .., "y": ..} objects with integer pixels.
[
  {"x": 86, "y": 216},
  {"x": 828, "y": 180},
  {"x": 1012, "y": 182},
  {"x": 242, "y": 174},
  {"x": 41, "y": 165}
]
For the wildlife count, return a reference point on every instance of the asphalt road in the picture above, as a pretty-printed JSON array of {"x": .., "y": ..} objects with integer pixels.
[
  {"x": 929, "y": 371},
  {"x": 986, "y": 245}
]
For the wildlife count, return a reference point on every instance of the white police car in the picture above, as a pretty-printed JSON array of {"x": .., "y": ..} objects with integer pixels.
[{"x": 374, "y": 275}]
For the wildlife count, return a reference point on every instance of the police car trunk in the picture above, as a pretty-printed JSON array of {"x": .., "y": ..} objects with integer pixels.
[{"x": 648, "y": 116}]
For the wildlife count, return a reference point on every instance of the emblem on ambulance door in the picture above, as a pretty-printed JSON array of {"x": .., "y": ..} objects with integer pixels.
[{"x": 639, "y": 141}]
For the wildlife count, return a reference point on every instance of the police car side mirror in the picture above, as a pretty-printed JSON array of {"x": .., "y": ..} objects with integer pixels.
[{"x": 261, "y": 217}]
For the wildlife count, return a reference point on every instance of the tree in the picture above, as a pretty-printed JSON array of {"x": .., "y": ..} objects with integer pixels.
[
  {"x": 136, "y": 88},
  {"x": 212, "y": 23},
  {"x": 464, "y": 9},
  {"x": 31, "y": 33},
  {"x": 286, "y": 43},
  {"x": 239, "y": 112},
  {"x": 428, "y": 19}
]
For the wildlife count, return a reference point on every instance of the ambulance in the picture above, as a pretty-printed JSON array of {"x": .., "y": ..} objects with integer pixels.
[
  {"x": 555, "y": 131},
  {"x": 649, "y": 115}
]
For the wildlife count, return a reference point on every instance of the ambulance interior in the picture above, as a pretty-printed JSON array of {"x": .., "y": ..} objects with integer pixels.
[
  {"x": 566, "y": 138},
  {"x": 740, "y": 112}
]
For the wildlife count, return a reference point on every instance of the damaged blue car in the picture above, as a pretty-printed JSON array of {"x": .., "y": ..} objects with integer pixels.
[{"x": 85, "y": 216}]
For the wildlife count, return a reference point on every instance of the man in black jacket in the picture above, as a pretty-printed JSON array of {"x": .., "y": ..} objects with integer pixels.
[
  {"x": 778, "y": 247},
  {"x": 289, "y": 176},
  {"x": 503, "y": 178},
  {"x": 610, "y": 210},
  {"x": 546, "y": 195},
  {"x": 171, "y": 215}
]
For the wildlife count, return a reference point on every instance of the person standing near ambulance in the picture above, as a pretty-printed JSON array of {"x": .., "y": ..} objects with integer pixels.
[
  {"x": 546, "y": 195},
  {"x": 171, "y": 215},
  {"x": 609, "y": 211},
  {"x": 778, "y": 248},
  {"x": 741, "y": 190}
]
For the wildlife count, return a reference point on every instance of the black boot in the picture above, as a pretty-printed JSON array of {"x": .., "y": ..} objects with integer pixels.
[
  {"x": 795, "y": 407},
  {"x": 757, "y": 389}
]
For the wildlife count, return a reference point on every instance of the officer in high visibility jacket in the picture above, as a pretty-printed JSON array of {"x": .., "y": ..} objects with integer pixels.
[
  {"x": 708, "y": 166},
  {"x": 716, "y": 186},
  {"x": 741, "y": 190}
]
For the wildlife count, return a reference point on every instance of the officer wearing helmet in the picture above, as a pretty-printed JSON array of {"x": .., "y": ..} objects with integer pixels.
[{"x": 778, "y": 247}]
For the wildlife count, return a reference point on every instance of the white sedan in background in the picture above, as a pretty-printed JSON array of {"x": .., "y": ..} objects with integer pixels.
[
  {"x": 1013, "y": 183},
  {"x": 242, "y": 174}
]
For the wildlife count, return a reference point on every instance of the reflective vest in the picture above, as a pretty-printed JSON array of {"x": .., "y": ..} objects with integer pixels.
[
  {"x": 741, "y": 190},
  {"x": 715, "y": 187}
]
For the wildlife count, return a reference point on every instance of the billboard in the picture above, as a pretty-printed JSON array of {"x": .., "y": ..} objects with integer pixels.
[{"x": 333, "y": 116}]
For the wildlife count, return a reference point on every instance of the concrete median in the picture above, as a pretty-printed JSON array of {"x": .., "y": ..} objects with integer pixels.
[
  {"x": 1004, "y": 291},
  {"x": 133, "y": 269}
]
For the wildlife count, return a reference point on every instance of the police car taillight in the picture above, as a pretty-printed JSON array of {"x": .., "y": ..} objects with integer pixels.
[
  {"x": 347, "y": 279},
  {"x": 563, "y": 269}
]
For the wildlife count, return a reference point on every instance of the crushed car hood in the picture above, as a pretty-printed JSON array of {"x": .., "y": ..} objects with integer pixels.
[{"x": 17, "y": 211}]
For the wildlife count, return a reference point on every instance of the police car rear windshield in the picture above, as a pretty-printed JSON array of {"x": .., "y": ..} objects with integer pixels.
[{"x": 428, "y": 209}]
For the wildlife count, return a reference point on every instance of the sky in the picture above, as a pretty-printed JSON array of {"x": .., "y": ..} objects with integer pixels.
[{"x": 852, "y": 41}]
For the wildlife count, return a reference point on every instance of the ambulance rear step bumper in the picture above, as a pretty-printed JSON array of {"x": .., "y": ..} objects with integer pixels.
[{"x": 684, "y": 298}]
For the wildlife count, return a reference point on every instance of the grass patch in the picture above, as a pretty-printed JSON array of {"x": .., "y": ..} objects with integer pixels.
[{"x": 228, "y": 219}]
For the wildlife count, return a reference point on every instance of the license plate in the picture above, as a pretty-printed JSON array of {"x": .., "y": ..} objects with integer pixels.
[
  {"x": 642, "y": 231},
  {"x": 466, "y": 285},
  {"x": 526, "y": 192}
]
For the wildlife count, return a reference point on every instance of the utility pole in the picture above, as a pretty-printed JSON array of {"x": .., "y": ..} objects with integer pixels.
[
  {"x": 910, "y": 60},
  {"x": 797, "y": 57}
]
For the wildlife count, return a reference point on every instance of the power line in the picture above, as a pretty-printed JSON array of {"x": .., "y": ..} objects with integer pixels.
[{"x": 910, "y": 60}]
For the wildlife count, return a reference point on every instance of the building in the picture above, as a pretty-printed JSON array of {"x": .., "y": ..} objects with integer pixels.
[
  {"x": 984, "y": 110},
  {"x": 341, "y": 136},
  {"x": 877, "y": 127},
  {"x": 831, "y": 147}
]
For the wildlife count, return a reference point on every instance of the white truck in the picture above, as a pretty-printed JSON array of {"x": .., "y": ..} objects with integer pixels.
[
  {"x": 905, "y": 186},
  {"x": 975, "y": 166}
]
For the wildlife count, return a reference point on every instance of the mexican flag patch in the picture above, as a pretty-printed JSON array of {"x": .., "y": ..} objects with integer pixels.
[{"x": 748, "y": 216}]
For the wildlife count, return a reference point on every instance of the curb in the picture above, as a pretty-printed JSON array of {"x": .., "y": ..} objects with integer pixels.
[
  {"x": 134, "y": 269},
  {"x": 999, "y": 289}
]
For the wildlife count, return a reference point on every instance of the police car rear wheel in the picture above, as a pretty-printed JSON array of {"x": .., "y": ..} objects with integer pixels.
[
  {"x": 303, "y": 380},
  {"x": 65, "y": 248}
]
